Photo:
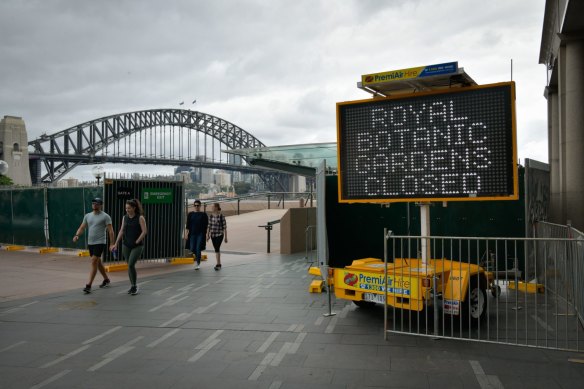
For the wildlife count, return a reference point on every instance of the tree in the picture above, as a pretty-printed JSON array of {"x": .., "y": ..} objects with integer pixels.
[
  {"x": 241, "y": 187},
  {"x": 5, "y": 181}
]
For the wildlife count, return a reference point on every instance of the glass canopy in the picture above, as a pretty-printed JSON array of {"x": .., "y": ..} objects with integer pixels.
[{"x": 291, "y": 158}]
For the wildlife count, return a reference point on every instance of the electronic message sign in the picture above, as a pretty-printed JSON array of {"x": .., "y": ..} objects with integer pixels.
[{"x": 455, "y": 145}]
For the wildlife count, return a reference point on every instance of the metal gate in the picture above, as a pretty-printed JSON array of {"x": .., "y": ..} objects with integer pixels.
[
  {"x": 529, "y": 291},
  {"x": 163, "y": 203}
]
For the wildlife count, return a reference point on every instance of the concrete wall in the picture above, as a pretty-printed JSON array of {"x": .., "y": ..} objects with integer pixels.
[
  {"x": 293, "y": 229},
  {"x": 14, "y": 149}
]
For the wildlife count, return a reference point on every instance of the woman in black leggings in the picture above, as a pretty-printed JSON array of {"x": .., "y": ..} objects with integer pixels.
[
  {"x": 133, "y": 231},
  {"x": 217, "y": 231}
]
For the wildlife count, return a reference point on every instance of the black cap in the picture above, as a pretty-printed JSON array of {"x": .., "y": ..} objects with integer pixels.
[{"x": 97, "y": 200}]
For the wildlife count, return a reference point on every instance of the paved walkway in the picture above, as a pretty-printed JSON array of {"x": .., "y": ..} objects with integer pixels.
[{"x": 250, "y": 325}]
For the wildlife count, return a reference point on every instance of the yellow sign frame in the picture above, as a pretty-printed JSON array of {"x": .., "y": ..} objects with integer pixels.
[{"x": 513, "y": 196}]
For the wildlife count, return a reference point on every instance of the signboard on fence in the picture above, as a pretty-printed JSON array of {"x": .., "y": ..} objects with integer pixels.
[
  {"x": 454, "y": 145},
  {"x": 157, "y": 195}
]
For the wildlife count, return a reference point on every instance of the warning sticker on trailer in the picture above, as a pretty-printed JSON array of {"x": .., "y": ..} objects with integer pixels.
[{"x": 452, "y": 307}]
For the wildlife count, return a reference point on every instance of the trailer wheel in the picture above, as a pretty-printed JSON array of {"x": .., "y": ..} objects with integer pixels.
[
  {"x": 475, "y": 305},
  {"x": 363, "y": 304}
]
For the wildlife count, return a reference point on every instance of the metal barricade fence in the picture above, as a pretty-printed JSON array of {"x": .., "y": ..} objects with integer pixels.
[
  {"x": 310, "y": 244},
  {"x": 487, "y": 289},
  {"x": 568, "y": 278}
]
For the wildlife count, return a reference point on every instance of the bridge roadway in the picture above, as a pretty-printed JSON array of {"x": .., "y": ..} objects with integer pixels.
[
  {"x": 130, "y": 159},
  {"x": 250, "y": 325}
]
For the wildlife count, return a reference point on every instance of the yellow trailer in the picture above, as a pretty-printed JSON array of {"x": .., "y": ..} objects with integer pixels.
[{"x": 459, "y": 286}]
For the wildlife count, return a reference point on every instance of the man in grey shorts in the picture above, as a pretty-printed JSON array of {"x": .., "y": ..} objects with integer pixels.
[{"x": 96, "y": 222}]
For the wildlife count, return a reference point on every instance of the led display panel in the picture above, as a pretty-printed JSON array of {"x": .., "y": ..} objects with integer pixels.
[{"x": 458, "y": 145}]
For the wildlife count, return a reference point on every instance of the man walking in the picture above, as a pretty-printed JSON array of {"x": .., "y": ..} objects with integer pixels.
[
  {"x": 96, "y": 222},
  {"x": 196, "y": 230}
]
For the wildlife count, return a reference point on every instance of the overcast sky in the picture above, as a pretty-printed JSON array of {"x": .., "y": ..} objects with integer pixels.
[{"x": 274, "y": 68}]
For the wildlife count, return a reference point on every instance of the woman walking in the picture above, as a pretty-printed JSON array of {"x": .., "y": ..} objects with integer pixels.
[
  {"x": 217, "y": 231},
  {"x": 133, "y": 231}
]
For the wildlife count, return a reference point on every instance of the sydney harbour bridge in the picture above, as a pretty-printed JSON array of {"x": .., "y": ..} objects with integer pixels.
[{"x": 159, "y": 136}]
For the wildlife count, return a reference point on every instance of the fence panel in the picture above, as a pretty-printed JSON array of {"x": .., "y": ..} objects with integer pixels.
[
  {"x": 66, "y": 208},
  {"x": 6, "y": 234},
  {"x": 465, "y": 293},
  {"x": 28, "y": 222}
]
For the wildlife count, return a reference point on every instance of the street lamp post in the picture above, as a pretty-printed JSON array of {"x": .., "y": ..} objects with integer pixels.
[{"x": 97, "y": 172}]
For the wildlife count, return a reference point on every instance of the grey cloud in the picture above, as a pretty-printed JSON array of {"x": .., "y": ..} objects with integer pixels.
[{"x": 274, "y": 68}]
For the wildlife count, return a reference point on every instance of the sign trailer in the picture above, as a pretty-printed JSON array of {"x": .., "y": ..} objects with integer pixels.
[{"x": 442, "y": 144}]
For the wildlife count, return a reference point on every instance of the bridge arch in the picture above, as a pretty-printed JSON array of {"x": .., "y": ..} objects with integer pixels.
[{"x": 94, "y": 141}]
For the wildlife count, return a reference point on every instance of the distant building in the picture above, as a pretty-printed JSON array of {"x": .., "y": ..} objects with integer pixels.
[
  {"x": 222, "y": 179},
  {"x": 68, "y": 183},
  {"x": 184, "y": 177}
]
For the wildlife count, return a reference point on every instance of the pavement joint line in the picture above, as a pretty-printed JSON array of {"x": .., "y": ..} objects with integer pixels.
[
  {"x": 163, "y": 338},
  {"x": 319, "y": 321},
  {"x": 291, "y": 328},
  {"x": 178, "y": 295},
  {"x": 18, "y": 308},
  {"x": 345, "y": 311},
  {"x": 205, "y": 309},
  {"x": 200, "y": 287},
  {"x": 66, "y": 356},
  {"x": 168, "y": 303},
  {"x": 230, "y": 297},
  {"x": 255, "y": 293},
  {"x": 13, "y": 346},
  {"x": 115, "y": 353},
  {"x": 261, "y": 367},
  {"x": 180, "y": 316},
  {"x": 140, "y": 285},
  {"x": 220, "y": 280},
  {"x": 281, "y": 354},
  {"x": 299, "y": 328},
  {"x": 121, "y": 350},
  {"x": 543, "y": 323},
  {"x": 250, "y": 299},
  {"x": 209, "y": 340},
  {"x": 162, "y": 291},
  {"x": 331, "y": 326},
  {"x": 111, "y": 330},
  {"x": 187, "y": 287},
  {"x": 51, "y": 379},
  {"x": 275, "y": 385},
  {"x": 270, "y": 285},
  {"x": 485, "y": 381},
  {"x": 296, "y": 345},
  {"x": 268, "y": 342},
  {"x": 202, "y": 352}
]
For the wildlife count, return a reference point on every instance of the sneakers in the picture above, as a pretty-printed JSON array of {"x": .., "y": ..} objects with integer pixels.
[
  {"x": 130, "y": 290},
  {"x": 197, "y": 267},
  {"x": 105, "y": 283},
  {"x": 134, "y": 290},
  {"x": 87, "y": 289},
  {"x": 217, "y": 267}
]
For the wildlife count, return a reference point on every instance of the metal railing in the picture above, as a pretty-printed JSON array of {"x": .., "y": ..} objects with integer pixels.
[
  {"x": 310, "y": 244},
  {"x": 281, "y": 199},
  {"x": 520, "y": 291},
  {"x": 268, "y": 227},
  {"x": 567, "y": 279}
]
